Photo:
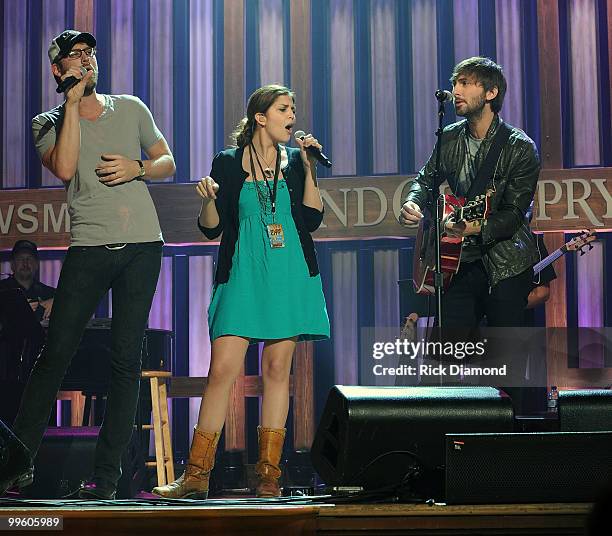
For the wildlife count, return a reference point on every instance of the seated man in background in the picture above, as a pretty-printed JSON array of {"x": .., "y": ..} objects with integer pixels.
[
  {"x": 25, "y": 265},
  {"x": 21, "y": 335}
]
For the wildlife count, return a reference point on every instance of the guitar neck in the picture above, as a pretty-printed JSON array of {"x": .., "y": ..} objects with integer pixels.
[{"x": 549, "y": 260}]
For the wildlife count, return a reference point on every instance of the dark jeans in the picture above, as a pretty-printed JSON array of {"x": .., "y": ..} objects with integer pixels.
[
  {"x": 468, "y": 299},
  {"x": 87, "y": 274}
]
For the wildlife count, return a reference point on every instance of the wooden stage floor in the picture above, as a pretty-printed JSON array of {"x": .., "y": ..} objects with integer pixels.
[{"x": 280, "y": 518}]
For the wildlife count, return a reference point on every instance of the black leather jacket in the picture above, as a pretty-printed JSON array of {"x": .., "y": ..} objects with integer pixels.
[{"x": 506, "y": 242}]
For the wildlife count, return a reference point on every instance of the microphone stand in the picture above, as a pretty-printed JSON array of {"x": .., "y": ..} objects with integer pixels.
[{"x": 438, "y": 199}]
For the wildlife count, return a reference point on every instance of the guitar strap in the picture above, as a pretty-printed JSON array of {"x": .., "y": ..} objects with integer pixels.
[{"x": 488, "y": 166}]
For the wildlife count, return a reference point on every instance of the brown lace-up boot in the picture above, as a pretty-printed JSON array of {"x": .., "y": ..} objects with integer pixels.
[
  {"x": 267, "y": 469},
  {"x": 193, "y": 483}
]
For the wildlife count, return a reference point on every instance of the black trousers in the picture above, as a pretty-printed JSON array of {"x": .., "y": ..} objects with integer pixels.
[
  {"x": 469, "y": 299},
  {"x": 87, "y": 274}
]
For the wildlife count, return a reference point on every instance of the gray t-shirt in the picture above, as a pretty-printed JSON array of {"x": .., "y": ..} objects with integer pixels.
[
  {"x": 470, "y": 252},
  {"x": 468, "y": 171},
  {"x": 101, "y": 214}
]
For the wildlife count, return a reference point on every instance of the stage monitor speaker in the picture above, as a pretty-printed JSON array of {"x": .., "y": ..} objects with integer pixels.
[
  {"x": 527, "y": 467},
  {"x": 378, "y": 436},
  {"x": 585, "y": 410},
  {"x": 66, "y": 458}
]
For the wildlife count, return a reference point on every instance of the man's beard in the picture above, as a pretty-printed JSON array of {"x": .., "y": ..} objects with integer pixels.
[
  {"x": 474, "y": 111},
  {"x": 89, "y": 89}
]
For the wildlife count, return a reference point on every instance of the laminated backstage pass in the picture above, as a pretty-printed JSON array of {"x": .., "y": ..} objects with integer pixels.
[{"x": 276, "y": 236}]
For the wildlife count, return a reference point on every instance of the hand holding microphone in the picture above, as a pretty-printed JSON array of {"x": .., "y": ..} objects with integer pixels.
[
  {"x": 312, "y": 147},
  {"x": 72, "y": 79}
]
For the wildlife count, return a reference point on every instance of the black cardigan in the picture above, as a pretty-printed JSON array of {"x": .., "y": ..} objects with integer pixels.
[{"x": 227, "y": 171}]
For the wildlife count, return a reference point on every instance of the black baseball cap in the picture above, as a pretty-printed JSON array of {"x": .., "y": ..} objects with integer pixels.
[
  {"x": 63, "y": 43},
  {"x": 25, "y": 245}
]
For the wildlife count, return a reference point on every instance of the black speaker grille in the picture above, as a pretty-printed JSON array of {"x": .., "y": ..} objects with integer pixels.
[
  {"x": 375, "y": 437},
  {"x": 585, "y": 410},
  {"x": 527, "y": 467}
]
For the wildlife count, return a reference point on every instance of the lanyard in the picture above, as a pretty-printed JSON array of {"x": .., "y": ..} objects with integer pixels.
[{"x": 272, "y": 191}]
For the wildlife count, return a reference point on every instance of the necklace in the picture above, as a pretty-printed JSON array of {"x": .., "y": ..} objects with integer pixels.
[{"x": 268, "y": 172}]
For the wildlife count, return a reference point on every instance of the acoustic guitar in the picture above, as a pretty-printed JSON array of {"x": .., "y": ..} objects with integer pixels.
[{"x": 455, "y": 209}]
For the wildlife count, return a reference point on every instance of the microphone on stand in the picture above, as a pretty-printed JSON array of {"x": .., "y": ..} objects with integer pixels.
[
  {"x": 444, "y": 96},
  {"x": 314, "y": 151}
]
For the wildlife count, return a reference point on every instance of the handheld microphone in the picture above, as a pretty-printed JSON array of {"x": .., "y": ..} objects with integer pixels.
[
  {"x": 313, "y": 151},
  {"x": 69, "y": 82},
  {"x": 444, "y": 96}
]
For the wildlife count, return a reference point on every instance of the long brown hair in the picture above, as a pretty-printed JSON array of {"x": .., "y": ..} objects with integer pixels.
[{"x": 259, "y": 102}]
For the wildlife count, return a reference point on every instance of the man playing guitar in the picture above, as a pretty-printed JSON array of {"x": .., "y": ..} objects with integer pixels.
[{"x": 498, "y": 252}]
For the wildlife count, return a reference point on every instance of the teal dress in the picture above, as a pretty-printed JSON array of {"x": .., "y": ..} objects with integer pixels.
[{"x": 270, "y": 293}]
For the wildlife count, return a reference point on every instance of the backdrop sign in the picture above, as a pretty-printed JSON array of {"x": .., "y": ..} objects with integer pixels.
[{"x": 355, "y": 207}]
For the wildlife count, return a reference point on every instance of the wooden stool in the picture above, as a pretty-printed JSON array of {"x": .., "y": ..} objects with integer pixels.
[
  {"x": 160, "y": 426},
  {"x": 77, "y": 405}
]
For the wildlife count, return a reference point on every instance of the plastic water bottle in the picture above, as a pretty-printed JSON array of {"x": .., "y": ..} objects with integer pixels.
[{"x": 553, "y": 400}]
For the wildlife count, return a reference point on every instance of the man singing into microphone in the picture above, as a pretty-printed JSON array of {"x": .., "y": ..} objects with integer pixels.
[
  {"x": 93, "y": 143},
  {"x": 483, "y": 153}
]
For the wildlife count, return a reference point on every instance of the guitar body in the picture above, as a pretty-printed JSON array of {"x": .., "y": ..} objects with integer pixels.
[{"x": 424, "y": 261}]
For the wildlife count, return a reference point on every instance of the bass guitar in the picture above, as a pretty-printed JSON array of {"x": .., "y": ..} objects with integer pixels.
[{"x": 577, "y": 243}]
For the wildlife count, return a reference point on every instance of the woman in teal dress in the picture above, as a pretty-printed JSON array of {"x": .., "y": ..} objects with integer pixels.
[{"x": 264, "y": 199}]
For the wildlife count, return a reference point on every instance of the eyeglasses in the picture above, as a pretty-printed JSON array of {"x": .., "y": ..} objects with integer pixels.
[{"x": 78, "y": 52}]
